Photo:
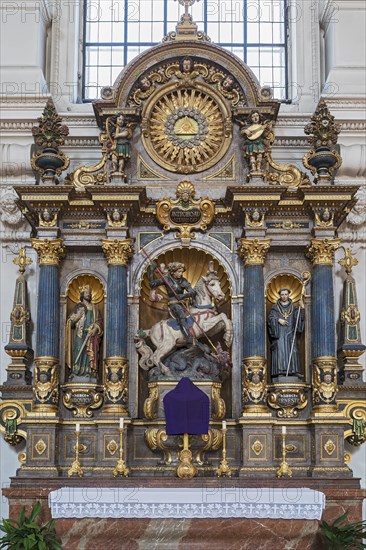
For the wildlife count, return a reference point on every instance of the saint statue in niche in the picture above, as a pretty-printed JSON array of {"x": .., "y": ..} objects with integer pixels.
[
  {"x": 84, "y": 330},
  {"x": 285, "y": 321}
]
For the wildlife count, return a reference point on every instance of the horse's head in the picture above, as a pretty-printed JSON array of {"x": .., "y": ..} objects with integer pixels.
[{"x": 212, "y": 284}]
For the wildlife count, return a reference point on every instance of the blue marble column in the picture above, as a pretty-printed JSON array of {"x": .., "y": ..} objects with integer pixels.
[
  {"x": 46, "y": 374},
  {"x": 321, "y": 253},
  {"x": 254, "y": 373},
  {"x": 118, "y": 253}
]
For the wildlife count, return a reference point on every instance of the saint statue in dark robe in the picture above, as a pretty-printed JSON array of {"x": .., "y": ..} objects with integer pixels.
[{"x": 283, "y": 321}]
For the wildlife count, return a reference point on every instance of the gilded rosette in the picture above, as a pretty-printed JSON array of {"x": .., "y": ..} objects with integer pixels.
[
  {"x": 321, "y": 251},
  {"x": 118, "y": 252},
  {"x": 253, "y": 251},
  {"x": 49, "y": 252}
]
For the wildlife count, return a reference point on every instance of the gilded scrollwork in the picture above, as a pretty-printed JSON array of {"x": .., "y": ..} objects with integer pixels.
[
  {"x": 82, "y": 398},
  {"x": 288, "y": 401},
  {"x": 155, "y": 439},
  {"x": 185, "y": 213}
]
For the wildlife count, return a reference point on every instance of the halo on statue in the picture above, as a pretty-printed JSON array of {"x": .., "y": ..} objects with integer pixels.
[
  {"x": 284, "y": 280},
  {"x": 78, "y": 283}
]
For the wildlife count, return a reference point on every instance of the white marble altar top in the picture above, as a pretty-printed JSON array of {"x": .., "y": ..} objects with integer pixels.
[{"x": 205, "y": 502}]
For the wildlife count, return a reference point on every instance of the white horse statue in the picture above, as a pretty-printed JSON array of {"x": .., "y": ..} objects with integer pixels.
[{"x": 206, "y": 321}]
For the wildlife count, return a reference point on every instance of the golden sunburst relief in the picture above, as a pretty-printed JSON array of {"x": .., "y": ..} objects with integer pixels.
[{"x": 186, "y": 130}]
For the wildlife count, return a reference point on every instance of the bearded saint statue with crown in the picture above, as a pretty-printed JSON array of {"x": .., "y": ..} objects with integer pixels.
[{"x": 84, "y": 330}]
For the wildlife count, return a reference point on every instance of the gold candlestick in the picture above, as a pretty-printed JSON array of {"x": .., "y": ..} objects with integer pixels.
[
  {"x": 224, "y": 469},
  {"x": 121, "y": 469},
  {"x": 76, "y": 466},
  {"x": 284, "y": 469}
]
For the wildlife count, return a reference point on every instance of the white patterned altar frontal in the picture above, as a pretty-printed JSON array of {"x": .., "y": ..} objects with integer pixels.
[{"x": 207, "y": 502}]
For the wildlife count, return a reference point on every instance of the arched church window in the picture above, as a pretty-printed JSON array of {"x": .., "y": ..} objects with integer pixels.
[{"x": 115, "y": 31}]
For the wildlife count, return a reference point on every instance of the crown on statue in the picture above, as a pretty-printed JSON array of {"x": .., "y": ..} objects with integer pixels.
[{"x": 84, "y": 288}]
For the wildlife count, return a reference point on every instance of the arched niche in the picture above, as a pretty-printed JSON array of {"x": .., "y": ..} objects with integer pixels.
[{"x": 153, "y": 312}]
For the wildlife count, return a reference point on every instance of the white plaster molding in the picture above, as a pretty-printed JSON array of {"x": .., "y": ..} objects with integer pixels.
[
  {"x": 353, "y": 162},
  {"x": 15, "y": 160},
  {"x": 226, "y": 502}
]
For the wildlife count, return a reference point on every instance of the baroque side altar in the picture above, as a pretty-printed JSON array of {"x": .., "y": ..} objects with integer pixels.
[{"x": 186, "y": 251}]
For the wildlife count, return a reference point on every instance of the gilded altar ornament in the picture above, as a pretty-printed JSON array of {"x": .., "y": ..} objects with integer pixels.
[
  {"x": 82, "y": 398},
  {"x": 50, "y": 252},
  {"x": 324, "y": 384},
  {"x": 224, "y": 469},
  {"x": 117, "y": 219},
  {"x": 45, "y": 384},
  {"x": 329, "y": 447},
  {"x": 257, "y": 447},
  {"x": 121, "y": 469},
  {"x": 288, "y": 401},
  {"x": 321, "y": 251},
  {"x": 22, "y": 260},
  {"x": 47, "y": 218},
  {"x": 324, "y": 218},
  {"x": 218, "y": 406},
  {"x": 253, "y": 251},
  {"x": 118, "y": 251},
  {"x": 185, "y": 213},
  {"x": 254, "y": 385},
  {"x": 151, "y": 404},
  {"x": 112, "y": 447},
  {"x": 49, "y": 161},
  {"x": 186, "y": 468},
  {"x": 156, "y": 439},
  {"x": 96, "y": 174},
  {"x": 76, "y": 468},
  {"x": 321, "y": 159},
  {"x": 116, "y": 384},
  {"x": 213, "y": 440},
  {"x": 40, "y": 447},
  {"x": 284, "y": 469},
  {"x": 186, "y": 129},
  {"x": 348, "y": 262},
  {"x": 255, "y": 218}
]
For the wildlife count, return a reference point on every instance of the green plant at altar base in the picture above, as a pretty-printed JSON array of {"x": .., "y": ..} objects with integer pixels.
[
  {"x": 343, "y": 536},
  {"x": 26, "y": 534}
]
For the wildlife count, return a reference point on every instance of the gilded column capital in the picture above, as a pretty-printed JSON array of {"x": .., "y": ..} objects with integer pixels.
[
  {"x": 49, "y": 252},
  {"x": 253, "y": 251},
  {"x": 118, "y": 251},
  {"x": 321, "y": 251}
]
